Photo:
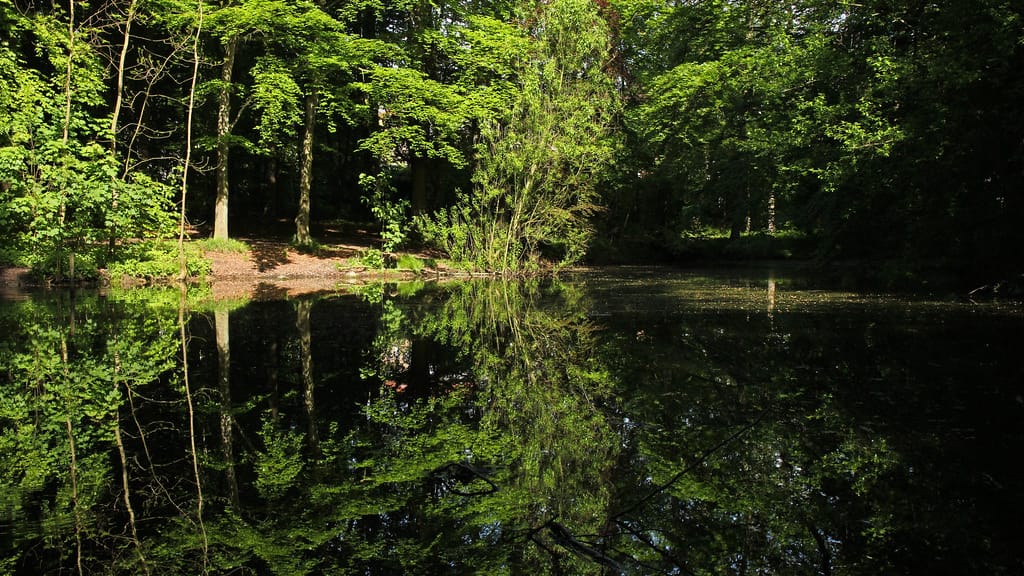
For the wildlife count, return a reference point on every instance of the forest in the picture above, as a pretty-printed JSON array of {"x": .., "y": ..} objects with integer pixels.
[{"x": 517, "y": 134}]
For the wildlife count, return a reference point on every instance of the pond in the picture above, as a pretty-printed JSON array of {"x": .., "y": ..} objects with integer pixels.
[{"x": 631, "y": 421}]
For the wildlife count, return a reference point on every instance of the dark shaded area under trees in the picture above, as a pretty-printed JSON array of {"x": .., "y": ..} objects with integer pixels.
[{"x": 511, "y": 133}]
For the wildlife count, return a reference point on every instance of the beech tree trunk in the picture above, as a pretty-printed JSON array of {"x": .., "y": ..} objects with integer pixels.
[
  {"x": 302, "y": 235},
  {"x": 220, "y": 215},
  {"x": 223, "y": 332},
  {"x": 302, "y": 324}
]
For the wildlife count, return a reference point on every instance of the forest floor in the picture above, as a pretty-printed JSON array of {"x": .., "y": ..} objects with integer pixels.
[{"x": 273, "y": 268}]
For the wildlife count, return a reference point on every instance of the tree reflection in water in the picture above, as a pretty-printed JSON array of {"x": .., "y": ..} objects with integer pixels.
[{"x": 488, "y": 427}]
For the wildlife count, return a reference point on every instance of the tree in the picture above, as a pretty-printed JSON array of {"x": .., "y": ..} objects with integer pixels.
[
  {"x": 64, "y": 192},
  {"x": 318, "y": 59},
  {"x": 534, "y": 184}
]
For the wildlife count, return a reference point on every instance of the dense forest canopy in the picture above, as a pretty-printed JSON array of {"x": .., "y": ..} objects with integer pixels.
[{"x": 507, "y": 132}]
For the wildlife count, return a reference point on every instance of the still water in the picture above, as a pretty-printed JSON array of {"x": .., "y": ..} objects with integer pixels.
[{"x": 627, "y": 422}]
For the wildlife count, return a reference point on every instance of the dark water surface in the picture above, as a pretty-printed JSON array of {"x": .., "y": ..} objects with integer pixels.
[{"x": 624, "y": 422}]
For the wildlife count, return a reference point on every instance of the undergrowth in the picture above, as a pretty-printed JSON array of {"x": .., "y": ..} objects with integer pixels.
[{"x": 158, "y": 259}]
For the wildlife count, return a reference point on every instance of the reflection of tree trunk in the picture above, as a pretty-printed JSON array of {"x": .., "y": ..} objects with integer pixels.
[
  {"x": 220, "y": 218},
  {"x": 64, "y": 358},
  {"x": 302, "y": 323},
  {"x": 771, "y": 295},
  {"x": 302, "y": 235},
  {"x": 272, "y": 378},
  {"x": 826, "y": 556},
  {"x": 221, "y": 322},
  {"x": 124, "y": 464}
]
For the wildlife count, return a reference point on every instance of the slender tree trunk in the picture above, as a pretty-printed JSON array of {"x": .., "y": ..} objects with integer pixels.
[
  {"x": 771, "y": 212},
  {"x": 65, "y": 139},
  {"x": 122, "y": 58},
  {"x": 302, "y": 235},
  {"x": 115, "y": 119},
  {"x": 182, "y": 264},
  {"x": 220, "y": 217},
  {"x": 125, "y": 484},
  {"x": 64, "y": 356}
]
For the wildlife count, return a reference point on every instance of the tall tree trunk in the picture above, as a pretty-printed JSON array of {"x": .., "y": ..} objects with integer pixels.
[
  {"x": 122, "y": 58},
  {"x": 302, "y": 324},
  {"x": 222, "y": 328},
  {"x": 771, "y": 212},
  {"x": 302, "y": 235},
  {"x": 220, "y": 217},
  {"x": 182, "y": 263}
]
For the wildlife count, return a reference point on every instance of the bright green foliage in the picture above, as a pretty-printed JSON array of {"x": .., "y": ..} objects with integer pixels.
[
  {"x": 278, "y": 465},
  {"x": 538, "y": 163},
  {"x": 69, "y": 368},
  {"x": 418, "y": 115},
  {"x": 59, "y": 182},
  {"x": 158, "y": 260},
  {"x": 277, "y": 98},
  {"x": 387, "y": 208},
  {"x": 877, "y": 129}
]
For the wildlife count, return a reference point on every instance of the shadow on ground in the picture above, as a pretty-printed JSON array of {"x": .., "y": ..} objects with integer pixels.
[{"x": 268, "y": 255}]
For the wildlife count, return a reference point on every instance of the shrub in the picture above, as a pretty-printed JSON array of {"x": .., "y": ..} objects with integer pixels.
[
  {"x": 158, "y": 260},
  {"x": 372, "y": 258}
]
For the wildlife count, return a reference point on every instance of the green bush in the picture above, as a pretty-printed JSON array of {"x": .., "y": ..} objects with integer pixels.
[
  {"x": 158, "y": 259},
  {"x": 372, "y": 258},
  {"x": 410, "y": 262}
]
